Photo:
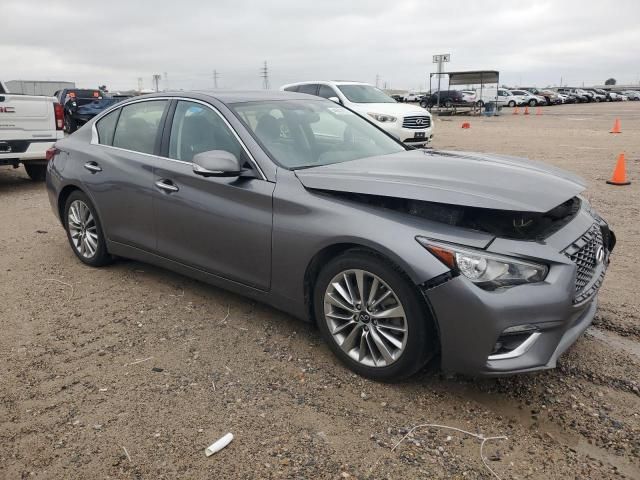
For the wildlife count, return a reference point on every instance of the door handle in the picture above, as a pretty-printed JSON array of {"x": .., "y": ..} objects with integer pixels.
[
  {"x": 167, "y": 186},
  {"x": 93, "y": 167}
]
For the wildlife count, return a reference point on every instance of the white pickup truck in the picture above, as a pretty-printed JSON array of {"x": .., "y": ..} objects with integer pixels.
[{"x": 29, "y": 126}]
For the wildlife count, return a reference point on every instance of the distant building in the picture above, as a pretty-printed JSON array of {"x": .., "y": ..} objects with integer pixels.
[{"x": 37, "y": 87}]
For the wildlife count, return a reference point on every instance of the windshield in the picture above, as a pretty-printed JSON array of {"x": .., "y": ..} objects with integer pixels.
[
  {"x": 365, "y": 94},
  {"x": 309, "y": 133}
]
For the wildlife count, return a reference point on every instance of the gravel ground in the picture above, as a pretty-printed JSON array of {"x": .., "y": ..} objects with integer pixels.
[{"x": 130, "y": 371}]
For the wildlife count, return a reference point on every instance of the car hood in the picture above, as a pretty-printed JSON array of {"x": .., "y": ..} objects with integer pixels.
[
  {"x": 397, "y": 109},
  {"x": 456, "y": 178}
]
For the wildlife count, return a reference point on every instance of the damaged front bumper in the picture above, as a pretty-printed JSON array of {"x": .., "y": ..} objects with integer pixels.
[{"x": 527, "y": 327}]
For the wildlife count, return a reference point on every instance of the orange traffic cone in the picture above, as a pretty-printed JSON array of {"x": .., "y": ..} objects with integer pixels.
[
  {"x": 619, "y": 176},
  {"x": 516, "y": 111},
  {"x": 526, "y": 110},
  {"x": 616, "y": 126},
  {"x": 466, "y": 125},
  {"x": 539, "y": 111}
]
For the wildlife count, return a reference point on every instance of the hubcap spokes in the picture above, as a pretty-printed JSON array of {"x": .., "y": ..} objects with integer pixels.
[
  {"x": 82, "y": 229},
  {"x": 365, "y": 318}
]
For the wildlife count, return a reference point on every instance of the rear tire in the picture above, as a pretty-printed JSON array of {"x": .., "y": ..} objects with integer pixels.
[
  {"x": 84, "y": 230},
  {"x": 36, "y": 172},
  {"x": 355, "y": 334}
]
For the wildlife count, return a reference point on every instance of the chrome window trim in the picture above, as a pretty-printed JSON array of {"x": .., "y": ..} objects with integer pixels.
[{"x": 94, "y": 131}]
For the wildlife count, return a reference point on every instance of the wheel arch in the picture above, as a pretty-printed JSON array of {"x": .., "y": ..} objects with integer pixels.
[
  {"x": 328, "y": 252},
  {"x": 62, "y": 199}
]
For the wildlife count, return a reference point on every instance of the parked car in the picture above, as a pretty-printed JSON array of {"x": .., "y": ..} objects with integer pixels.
[
  {"x": 596, "y": 95},
  {"x": 413, "y": 97},
  {"x": 447, "y": 99},
  {"x": 615, "y": 97},
  {"x": 397, "y": 98},
  {"x": 501, "y": 96},
  {"x": 550, "y": 96},
  {"x": 29, "y": 126},
  {"x": 579, "y": 94},
  {"x": 527, "y": 98},
  {"x": 81, "y": 105},
  {"x": 469, "y": 96},
  {"x": 632, "y": 94},
  {"x": 396, "y": 253},
  {"x": 411, "y": 124}
]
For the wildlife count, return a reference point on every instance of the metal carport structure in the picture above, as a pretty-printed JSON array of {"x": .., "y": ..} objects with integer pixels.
[{"x": 471, "y": 77}]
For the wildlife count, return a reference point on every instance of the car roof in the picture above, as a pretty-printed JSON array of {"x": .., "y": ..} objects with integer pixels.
[
  {"x": 237, "y": 96},
  {"x": 327, "y": 82}
]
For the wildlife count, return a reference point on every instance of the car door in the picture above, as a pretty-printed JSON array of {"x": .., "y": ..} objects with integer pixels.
[
  {"x": 119, "y": 175},
  {"x": 216, "y": 224}
]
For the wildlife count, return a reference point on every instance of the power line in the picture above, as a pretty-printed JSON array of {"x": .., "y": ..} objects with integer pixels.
[{"x": 264, "y": 74}]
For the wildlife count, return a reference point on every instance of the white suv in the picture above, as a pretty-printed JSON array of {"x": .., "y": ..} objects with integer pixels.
[{"x": 410, "y": 124}]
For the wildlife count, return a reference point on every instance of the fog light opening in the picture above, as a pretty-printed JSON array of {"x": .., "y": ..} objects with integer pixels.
[{"x": 514, "y": 342}]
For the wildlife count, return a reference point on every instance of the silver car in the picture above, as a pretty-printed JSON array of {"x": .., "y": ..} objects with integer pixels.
[{"x": 490, "y": 264}]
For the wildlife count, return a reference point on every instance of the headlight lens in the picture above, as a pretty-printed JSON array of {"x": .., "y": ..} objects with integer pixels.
[
  {"x": 382, "y": 118},
  {"x": 487, "y": 270}
]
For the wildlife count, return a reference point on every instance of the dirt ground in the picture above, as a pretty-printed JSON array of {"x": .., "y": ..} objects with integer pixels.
[{"x": 131, "y": 371}]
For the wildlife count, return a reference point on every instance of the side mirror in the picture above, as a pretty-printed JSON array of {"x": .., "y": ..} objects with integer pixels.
[
  {"x": 216, "y": 163},
  {"x": 335, "y": 99}
]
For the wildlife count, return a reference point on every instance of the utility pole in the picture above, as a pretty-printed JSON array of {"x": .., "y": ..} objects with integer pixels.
[
  {"x": 139, "y": 84},
  {"x": 156, "y": 81},
  {"x": 216, "y": 75},
  {"x": 166, "y": 80},
  {"x": 264, "y": 73},
  {"x": 377, "y": 80}
]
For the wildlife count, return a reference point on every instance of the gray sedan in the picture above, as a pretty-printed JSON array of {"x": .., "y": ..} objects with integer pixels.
[{"x": 489, "y": 263}]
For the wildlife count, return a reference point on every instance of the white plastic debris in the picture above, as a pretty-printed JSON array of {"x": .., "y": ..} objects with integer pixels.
[{"x": 219, "y": 445}]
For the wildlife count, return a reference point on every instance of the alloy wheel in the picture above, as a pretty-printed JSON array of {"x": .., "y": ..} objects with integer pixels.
[
  {"x": 82, "y": 229},
  {"x": 365, "y": 318}
]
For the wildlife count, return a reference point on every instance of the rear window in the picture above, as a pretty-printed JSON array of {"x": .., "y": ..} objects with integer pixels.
[
  {"x": 106, "y": 127},
  {"x": 138, "y": 126}
]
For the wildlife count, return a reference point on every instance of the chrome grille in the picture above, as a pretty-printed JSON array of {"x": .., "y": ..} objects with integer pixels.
[
  {"x": 590, "y": 271},
  {"x": 417, "y": 121}
]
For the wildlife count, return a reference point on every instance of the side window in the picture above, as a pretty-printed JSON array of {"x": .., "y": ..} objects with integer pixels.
[
  {"x": 327, "y": 92},
  {"x": 138, "y": 126},
  {"x": 310, "y": 89},
  {"x": 293, "y": 88},
  {"x": 106, "y": 127},
  {"x": 196, "y": 128}
]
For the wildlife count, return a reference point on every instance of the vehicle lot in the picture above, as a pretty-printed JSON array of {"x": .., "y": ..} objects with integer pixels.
[{"x": 77, "y": 385}]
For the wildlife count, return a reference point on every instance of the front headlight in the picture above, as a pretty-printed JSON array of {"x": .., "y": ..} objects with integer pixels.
[
  {"x": 487, "y": 270},
  {"x": 382, "y": 118}
]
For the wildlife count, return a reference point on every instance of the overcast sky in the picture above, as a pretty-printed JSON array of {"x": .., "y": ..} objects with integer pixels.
[{"x": 116, "y": 42}]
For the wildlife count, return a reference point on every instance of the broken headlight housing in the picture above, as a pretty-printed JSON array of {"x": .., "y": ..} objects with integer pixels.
[{"x": 487, "y": 270}]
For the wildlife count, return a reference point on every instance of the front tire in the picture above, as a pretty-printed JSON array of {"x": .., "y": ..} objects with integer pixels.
[
  {"x": 512, "y": 104},
  {"x": 532, "y": 103},
  {"x": 373, "y": 317},
  {"x": 84, "y": 231},
  {"x": 37, "y": 173}
]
